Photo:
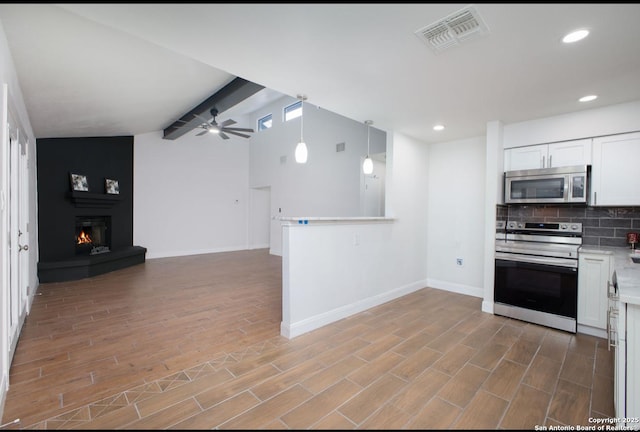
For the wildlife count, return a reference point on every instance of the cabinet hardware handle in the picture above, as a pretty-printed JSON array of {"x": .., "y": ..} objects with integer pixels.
[
  {"x": 550, "y": 163},
  {"x": 609, "y": 329}
]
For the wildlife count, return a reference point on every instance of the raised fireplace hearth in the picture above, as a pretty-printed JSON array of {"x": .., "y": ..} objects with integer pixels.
[
  {"x": 84, "y": 233},
  {"x": 84, "y": 266}
]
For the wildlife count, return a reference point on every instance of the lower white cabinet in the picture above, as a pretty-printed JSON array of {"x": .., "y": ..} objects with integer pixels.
[
  {"x": 627, "y": 373},
  {"x": 632, "y": 359},
  {"x": 594, "y": 272}
]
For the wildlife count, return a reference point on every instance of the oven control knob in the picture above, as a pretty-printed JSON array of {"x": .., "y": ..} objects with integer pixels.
[{"x": 563, "y": 226}]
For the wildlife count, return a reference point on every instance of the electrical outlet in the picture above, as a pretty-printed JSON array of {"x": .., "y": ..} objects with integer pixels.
[{"x": 459, "y": 261}]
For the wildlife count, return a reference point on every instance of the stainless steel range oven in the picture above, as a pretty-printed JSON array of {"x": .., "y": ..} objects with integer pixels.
[{"x": 536, "y": 272}]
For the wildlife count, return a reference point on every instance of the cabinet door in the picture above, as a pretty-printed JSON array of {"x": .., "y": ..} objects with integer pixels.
[
  {"x": 570, "y": 153},
  {"x": 633, "y": 357},
  {"x": 523, "y": 158},
  {"x": 594, "y": 271},
  {"x": 615, "y": 162}
]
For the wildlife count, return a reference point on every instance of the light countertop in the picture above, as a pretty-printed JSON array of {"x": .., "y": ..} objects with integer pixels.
[
  {"x": 627, "y": 272},
  {"x": 306, "y": 220}
]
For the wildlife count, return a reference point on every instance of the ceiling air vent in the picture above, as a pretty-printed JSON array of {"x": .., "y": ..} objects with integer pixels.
[{"x": 452, "y": 30}]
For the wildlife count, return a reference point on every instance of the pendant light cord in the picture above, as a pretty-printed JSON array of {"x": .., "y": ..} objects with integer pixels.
[
  {"x": 301, "y": 118},
  {"x": 368, "y": 140},
  {"x": 368, "y": 123}
]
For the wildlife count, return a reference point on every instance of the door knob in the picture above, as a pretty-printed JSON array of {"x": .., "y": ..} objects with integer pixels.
[{"x": 21, "y": 248}]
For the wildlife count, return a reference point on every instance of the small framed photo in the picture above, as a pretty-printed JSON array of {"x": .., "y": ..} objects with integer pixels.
[
  {"x": 111, "y": 186},
  {"x": 79, "y": 182}
]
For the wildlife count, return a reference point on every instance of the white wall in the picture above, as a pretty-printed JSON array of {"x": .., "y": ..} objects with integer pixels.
[
  {"x": 456, "y": 197},
  {"x": 332, "y": 270},
  {"x": 594, "y": 122},
  {"x": 190, "y": 194},
  {"x": 329, "y": 183},
  {"x": 15, "y": 103}
]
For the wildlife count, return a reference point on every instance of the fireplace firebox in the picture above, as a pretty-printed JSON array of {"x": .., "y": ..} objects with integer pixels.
[{"x": 92, "y": 235}]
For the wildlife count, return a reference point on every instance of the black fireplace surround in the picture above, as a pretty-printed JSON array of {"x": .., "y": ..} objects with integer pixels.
[{"x": 62, "y": 212}]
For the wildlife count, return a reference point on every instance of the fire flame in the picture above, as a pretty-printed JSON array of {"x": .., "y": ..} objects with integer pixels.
[{"x": 84, "y": 238}]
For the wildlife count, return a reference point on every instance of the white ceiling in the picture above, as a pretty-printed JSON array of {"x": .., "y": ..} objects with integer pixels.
[{"x": 123, "y": 69}]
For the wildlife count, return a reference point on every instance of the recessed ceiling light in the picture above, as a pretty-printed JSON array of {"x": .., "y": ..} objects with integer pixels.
[
  {"x": 588, "y": 98},
  {"x": 575, "y": 36},
  {"x": 438, "y": 127}
]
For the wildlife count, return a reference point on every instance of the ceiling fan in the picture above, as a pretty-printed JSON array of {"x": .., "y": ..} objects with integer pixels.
[{"x": 221, "y": 129}]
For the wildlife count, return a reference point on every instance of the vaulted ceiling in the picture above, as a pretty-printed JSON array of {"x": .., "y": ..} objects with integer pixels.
[{"x": 120, "y": 69}]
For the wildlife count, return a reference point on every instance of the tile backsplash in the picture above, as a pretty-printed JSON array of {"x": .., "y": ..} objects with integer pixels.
[{"x": 601, "y": 226}]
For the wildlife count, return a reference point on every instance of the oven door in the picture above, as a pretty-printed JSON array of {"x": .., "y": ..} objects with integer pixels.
[{"x": 531, "y": 282}]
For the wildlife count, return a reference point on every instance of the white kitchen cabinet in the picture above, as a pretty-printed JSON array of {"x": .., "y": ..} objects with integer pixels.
[
  {"x": 615, "y": 162},
  {"x": 632, "y": 359},
  {"x": 594, "y": 272},
  {"x": 521, "y": 158},
  {"x": 626, "y": 372},
  {"x": 565, "y": 153}
]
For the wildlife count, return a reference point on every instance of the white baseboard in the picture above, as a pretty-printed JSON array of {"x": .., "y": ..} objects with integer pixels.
[
  {"x": 592, "y": 331},
  {"x": 308, "y": 324},
  {"x": 457, "y": 288},
  {"x": 487, "y": 306},
  {"x": 168, "y": 254}
]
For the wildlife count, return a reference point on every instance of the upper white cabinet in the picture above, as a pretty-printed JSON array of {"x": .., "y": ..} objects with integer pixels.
[
  {"x": 566, "y": 153},
  {"x": 615, "y": 162},
  {"x": 529, "y": 157}
]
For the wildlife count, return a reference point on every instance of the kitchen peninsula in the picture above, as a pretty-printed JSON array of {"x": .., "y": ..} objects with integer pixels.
[{"x": 334, "y": 267}]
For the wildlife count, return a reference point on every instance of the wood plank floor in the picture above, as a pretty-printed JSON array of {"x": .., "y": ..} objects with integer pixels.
[{"x": 193, "y": 343}]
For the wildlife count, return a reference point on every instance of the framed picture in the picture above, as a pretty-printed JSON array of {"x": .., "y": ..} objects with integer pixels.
[
  {"x": 79, "y": 182},
  {"x": 111, "y": 186}
]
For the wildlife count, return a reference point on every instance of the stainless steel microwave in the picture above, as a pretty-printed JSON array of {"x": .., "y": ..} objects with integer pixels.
[{"x": 547, "y": 185}]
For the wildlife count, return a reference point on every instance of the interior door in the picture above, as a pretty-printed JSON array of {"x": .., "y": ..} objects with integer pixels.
[
  {"x": 372, "y": 193},
  {"x": 4, "y": 240},
  {"x": 260, "y": 218},
  {"x": 18, "y": 233}
]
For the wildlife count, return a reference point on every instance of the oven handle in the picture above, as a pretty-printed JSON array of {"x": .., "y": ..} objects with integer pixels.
[{"x": 558, "y": 262}]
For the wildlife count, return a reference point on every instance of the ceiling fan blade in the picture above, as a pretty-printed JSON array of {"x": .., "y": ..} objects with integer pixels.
[
  {"x": 223, "y": 135},
  {"x": 236, "y": 133},
  {"x": 227, "y": 122},
  {"x": 202, "y": 133},
  {"x": 239, "y": 129}
]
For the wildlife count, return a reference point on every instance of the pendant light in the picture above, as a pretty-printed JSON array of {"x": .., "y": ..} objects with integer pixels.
[
  {"x": 367, "y": 165},
  {"x": 301, "y": 149}
]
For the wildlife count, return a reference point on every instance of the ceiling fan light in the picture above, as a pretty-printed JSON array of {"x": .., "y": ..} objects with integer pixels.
[
  {"x": 575, "y": 36},
  {"x": 214, "y": 130},
  {"x": 301, "y": 152},
  {"x": 367, "y": 166},
  {"x": 588, "y": 98}
]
